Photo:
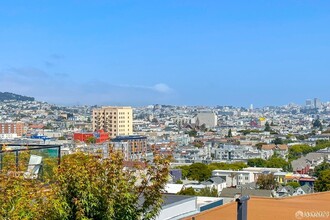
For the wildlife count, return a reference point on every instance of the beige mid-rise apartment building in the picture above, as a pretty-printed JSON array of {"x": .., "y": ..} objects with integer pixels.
[{"x": 118, "y": 121}]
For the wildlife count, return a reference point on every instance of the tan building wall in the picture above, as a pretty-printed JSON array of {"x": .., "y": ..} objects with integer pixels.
[
  {"x": 258, "y": 208},
  {"x": 12, "y": 128},
  {"x": 118, "y": 121}
]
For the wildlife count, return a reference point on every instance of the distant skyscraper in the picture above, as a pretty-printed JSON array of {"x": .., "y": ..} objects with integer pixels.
[
  {"x": 251, "y": 107},
  {"x": 317, "y": 103},
  {"x": 118, "y": 121}
]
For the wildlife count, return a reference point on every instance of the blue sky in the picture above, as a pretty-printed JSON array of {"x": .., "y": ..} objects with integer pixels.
[{"x": 182, "y": 52}]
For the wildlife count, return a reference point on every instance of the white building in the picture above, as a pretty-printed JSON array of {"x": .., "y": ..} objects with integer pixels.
[
  {"x": 233, "y": 177},
  {"x": 208, "y": 118}
]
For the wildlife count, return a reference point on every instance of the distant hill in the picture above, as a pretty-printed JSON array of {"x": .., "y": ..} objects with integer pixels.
[{"x": 11, "y": 96}]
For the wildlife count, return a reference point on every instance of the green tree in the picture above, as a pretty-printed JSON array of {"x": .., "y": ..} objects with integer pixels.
[
  {"x": 199, "y": 171},
  {"x": 179, "y": 182},
  {"x": 227, "y": 166},
  {"x": 87, "y": 187},
  {"x": 267, "y": 127},
  {"x": 276, "y": 161},
  {"x": 185, "y": 171},
  {"x": 230, "y": 133},
  {"x": 257, "y": 162},
  {"x": 323, "y": 182},
  {"x": 293, "y": 184},
  {"x": 192, "y": 133},
  {"x": 101, "y": 189},
  {"x": 317, "y": 124},
  {"x": 259, "y": 145},
  {"x": 208, "y": 191},
  {"x": 278, "y": 141},
  {"x": 267, "y": 181},
  {"x": 48, "y": 126},
  {"x": 323, "y": 166},
  {"x": 198, "y": 144},
  {"x": 187, "y": 191},
  {"x": 91, "y": 140},
  {"x": 23, "y": 199}
]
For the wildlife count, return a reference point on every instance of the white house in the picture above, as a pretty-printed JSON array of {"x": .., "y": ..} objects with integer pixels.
[{"x": 233, "y": 177}]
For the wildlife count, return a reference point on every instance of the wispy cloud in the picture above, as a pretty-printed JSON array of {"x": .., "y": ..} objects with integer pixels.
[
  {"x": 162, "y": 87},
  {"x": 159, "y": 87},
  {"x": 60, "y": 88}
]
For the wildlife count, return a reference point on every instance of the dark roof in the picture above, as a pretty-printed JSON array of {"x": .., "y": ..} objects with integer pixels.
[
  {"x": 232, "y": 192},
  {"x": 171, "y": 199},
  {"x": 128, "y": 138},
  {"x": 212, "y": 180},
  {"x": 306, "y": 188}
]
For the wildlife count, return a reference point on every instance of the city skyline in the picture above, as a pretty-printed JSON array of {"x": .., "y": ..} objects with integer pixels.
[{"x": 180, "y": 53}]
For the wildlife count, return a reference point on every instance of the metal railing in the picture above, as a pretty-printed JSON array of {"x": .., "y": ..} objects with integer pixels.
[{"x": 16, "y": 149}]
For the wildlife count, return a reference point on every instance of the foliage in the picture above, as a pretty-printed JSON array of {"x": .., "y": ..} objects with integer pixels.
[
  {"x": 323, "y": 166},
  {"x": 11, "y": 96},
  {"x": 199, "y": 171},
  {"x": 277, "y": 141},
  {"x": 248, "y": 131},
  {"x": 274, "y": 161},
  {"x": 192, "y": 133},
  {"x": 227, "y": 166},
  {"x": 317, "y": 124},
  {"x": 185, "y": 171},
  {"x": 86, "y": 187},
  {"x": 23, "y": 199},
  {"x": 259, "y": 145},
  {"x": 267, "y": 127},
  {"x": 230, "y": 133},
  {"x": 91, "y": 140},
  {"x": 198, "y": 144},
  {"x": 48, "y": 126},
  {"x": 179, "y": 182},
  {"x": 278, "y": 162},
  {"x": 207, "y": 191},
  {"x": 187, "y": 191},
  {"x": 302, "y": 137},
  {"x": 267, "y": 181},
  {"x": 257, "y": 162},
  {"x": 323, "y": 182},
  {"x": 297, "y": 151},
  {"x": 293, "y": 184}
]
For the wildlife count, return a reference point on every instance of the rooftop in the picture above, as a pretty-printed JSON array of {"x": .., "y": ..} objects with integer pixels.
[{"x": 271, "y": 208}]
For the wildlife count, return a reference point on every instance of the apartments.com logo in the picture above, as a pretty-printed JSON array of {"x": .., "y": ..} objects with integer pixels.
[{"x": 312, "y": 214}]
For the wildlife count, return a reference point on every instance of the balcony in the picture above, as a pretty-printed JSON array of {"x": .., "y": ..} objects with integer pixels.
[{"x": 33, "y": 161}]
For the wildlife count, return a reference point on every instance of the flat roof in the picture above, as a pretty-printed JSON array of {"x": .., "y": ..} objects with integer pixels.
[
  {"x": 271, "y": 208},
  {"x": 128, "y": 137}
]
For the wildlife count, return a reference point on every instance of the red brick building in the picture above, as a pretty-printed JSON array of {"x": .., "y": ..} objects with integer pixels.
[
  {"x": 12, "y": 128},
  {"x": 100, "y": 136}
]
